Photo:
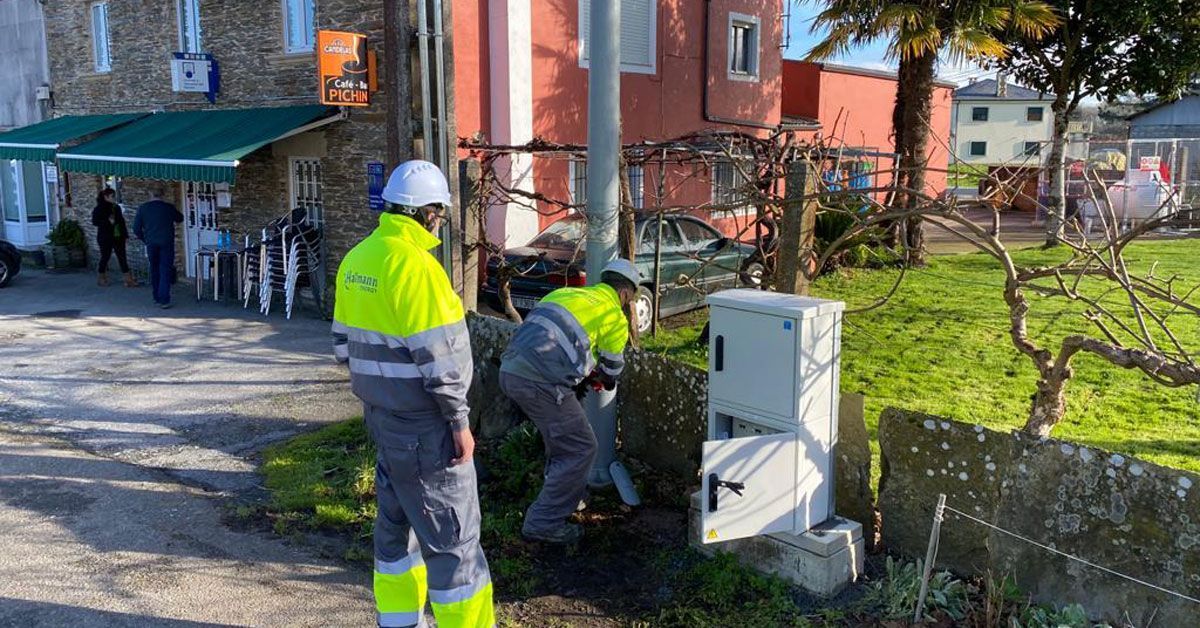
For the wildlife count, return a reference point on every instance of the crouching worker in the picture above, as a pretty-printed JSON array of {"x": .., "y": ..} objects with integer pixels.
[
  {"x": 575, "y": 337},
  {"x": 400, "y": 326}
]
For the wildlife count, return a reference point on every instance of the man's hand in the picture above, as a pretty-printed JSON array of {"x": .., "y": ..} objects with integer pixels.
[{"x": 464, "y": 446}]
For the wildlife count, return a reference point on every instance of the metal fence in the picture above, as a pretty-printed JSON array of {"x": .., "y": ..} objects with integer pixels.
[{"x": 1143, "y": 177}]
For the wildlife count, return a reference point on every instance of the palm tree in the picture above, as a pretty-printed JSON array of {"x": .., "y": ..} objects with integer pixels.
[{"x": 917, "y": 32}]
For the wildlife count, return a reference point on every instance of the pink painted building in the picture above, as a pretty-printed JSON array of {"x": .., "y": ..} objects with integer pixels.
[
  {"x": 855, "y": 105},
  {"x": 521, "y": 72}
]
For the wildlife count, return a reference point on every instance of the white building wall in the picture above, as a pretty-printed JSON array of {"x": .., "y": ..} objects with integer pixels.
[
  {"x": 1006, "y": 131},
  {"x": 24, "y": 67}
]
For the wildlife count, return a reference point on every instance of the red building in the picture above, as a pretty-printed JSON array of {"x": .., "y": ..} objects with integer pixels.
[
  {"x": 854, "y": 105},
  {"x": 521, "y": 72}
]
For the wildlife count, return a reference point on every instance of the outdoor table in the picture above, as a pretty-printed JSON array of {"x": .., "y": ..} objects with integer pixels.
[{"x": 214, "y": 260}]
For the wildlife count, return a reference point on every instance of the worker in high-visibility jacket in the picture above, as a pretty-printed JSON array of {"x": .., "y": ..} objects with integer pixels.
[
  {"x": 572, "y": 338},
  {"x": 400, "y": 326}
]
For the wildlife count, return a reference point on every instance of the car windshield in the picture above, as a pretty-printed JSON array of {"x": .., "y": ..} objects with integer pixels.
[{"x": 564, "y": 234}]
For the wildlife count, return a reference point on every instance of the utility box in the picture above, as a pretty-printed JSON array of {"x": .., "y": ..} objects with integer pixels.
[{"x": 773, "y": 365}]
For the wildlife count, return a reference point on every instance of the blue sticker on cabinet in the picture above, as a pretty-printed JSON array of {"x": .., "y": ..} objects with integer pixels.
[{"x": 787, "y": 325}]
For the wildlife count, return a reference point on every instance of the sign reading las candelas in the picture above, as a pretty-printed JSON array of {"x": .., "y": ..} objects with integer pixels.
[{"x": 344, "y": 69}]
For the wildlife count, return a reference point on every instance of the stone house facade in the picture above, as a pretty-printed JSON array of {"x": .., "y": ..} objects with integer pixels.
[{"x": 250, "y": 42}]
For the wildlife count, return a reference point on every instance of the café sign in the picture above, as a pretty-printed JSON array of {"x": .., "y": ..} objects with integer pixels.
[{"x": 344, "y": 69}]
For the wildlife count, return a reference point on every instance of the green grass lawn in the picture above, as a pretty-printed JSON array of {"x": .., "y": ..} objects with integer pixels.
[
  {"x": 941, "y": 346},
  {"x": 964, "y": 176}
]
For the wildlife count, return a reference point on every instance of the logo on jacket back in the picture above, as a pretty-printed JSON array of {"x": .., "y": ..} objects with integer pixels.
[{"x": 363, "y": 282}]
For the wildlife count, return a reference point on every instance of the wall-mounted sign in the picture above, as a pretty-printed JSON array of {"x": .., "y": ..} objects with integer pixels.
[
  {"x": 343, "y": 68},
  {"x": 375, "y": 186},
  {"x": 1149, "y": 162},
  {"x": 195, "y": 72}
]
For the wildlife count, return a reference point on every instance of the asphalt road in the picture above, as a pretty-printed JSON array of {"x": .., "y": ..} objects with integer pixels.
[{"x": 126, "y": 430}]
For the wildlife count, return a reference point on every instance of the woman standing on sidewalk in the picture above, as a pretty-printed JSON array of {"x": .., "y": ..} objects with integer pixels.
[{"x": 111, "y": 234}]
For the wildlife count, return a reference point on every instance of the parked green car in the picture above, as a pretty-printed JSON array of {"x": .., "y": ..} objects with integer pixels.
[{"x": 690, "y": 248}]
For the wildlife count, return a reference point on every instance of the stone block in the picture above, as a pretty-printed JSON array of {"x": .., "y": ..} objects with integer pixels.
[
  {"x": 923, "y": 456},
  {"x": 822, "y": 561},
  {"x": 855, "y": 499},
  {"x": 1137, "y": 518}
]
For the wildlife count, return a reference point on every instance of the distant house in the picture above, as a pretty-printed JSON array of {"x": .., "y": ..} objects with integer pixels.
[
  {"x": 1177, "y": 119},
  {"x": 997, "y": 123},
  {"x": 853, "y": 106}
]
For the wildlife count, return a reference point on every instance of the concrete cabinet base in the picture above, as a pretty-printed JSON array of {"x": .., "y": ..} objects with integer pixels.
[{"x": 822, "y": 561}]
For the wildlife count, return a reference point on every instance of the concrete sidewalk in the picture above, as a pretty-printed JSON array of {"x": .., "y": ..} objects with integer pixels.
[{"x": 121, "y": 423}]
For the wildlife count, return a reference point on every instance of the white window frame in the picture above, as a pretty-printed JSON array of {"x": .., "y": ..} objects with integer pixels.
[
  {"x": 727, "y": 181},
  {"x": 753, "y": 55},
  {"x": 311, "y": 44},
  {"x": 295, "y": 186},
  {"x": 101, "y": 63},
  {"x": 651, "y": 65},
  {"x": 637, "y": 185},
  {"x": 184, "y": 44},
  {"x": 577, "y": 196}
]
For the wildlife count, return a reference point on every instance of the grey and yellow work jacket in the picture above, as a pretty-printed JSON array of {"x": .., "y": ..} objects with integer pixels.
[
  {"x": 399, "y": 324},
  {"x": 570, "y": 332}
]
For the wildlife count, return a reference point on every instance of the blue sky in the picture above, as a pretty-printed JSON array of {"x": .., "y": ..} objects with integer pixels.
[{"x": 870, "y": 56}]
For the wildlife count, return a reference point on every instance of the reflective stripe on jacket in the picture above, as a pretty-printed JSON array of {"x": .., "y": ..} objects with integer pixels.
[
  {"x": 399, "y": 324},
  {"x": 569, "y": 333}
]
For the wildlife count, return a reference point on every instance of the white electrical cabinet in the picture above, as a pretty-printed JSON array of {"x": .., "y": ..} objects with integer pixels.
[{"x": 773, "y": 364}]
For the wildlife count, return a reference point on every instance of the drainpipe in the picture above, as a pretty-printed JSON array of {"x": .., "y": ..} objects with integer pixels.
[{"x": 708, "y": 117}]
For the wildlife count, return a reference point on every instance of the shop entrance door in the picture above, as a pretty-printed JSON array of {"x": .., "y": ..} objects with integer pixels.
[
  {"x": 28, "y": 200},
  {"x": 199, "y": 221}
]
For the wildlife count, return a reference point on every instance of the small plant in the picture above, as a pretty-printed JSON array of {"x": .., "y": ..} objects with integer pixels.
[
  {"x": 895, "y": 596},
  {"x": 721, "y": 592},
  {"x": 67, "y": 233},
  {"x": 1070, "y": 616}
]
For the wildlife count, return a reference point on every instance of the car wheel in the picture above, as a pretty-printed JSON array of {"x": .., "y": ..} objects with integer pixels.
[
  {"x": 752, "y": 274},
  {"x": 6, "y": 271},
  {"x": 643, "y": 307}
]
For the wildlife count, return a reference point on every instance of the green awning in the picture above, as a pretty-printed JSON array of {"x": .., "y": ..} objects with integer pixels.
[
  {"x": 191, "y": 145},
  {"x": 39, "y": 142}
]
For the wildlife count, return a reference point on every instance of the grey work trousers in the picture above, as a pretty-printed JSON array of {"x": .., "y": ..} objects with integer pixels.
[
  {"x": 570, "y": 449},
  {"x": 428, "y": 513}
]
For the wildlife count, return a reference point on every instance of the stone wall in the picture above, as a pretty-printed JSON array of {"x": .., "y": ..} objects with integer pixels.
[
  {"x": 662, "y": 417},
  {"x": 1122, "y": 513},
  {"x": 246, "y": 38}
]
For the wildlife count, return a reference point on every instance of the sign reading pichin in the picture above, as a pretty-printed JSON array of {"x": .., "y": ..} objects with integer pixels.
[{"x": 344, "y": 69}]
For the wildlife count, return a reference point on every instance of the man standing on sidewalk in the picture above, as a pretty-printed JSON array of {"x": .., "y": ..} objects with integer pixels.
[
  {"x": 399, "y": 324},
  {"x": 574, "y": 337},
  {"x": 154, "y": 225}
]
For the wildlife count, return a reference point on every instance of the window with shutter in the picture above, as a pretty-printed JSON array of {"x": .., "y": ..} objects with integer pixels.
[
  {"x": 189, "y": 26},
  {"x": 743, "y": 47},
  {"x": 100, "y": 40},
  {"x": 639, "y": 26},
  {"x": 298, "y": 26}
]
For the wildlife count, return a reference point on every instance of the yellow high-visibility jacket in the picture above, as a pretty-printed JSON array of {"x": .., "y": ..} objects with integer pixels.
[
  {"x": 570, "y": 332},
  {"x": 400, "y": 325}
]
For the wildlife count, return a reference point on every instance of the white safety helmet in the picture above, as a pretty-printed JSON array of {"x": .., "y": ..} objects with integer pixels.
[
  {"x": 415, "y": 184},
  {"x": 624, "y": 268}
]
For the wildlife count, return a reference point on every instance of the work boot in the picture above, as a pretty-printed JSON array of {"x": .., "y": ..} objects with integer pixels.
[
  {"x": 130, "y": 281},
  {"x": 566, "y": 534},
  {"x": 102, "y": 280}
]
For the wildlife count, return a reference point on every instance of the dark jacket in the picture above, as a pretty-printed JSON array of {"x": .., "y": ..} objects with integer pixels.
[
  {"x": 109, "y": 221},
  {"x": 155, "y": 222}
]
